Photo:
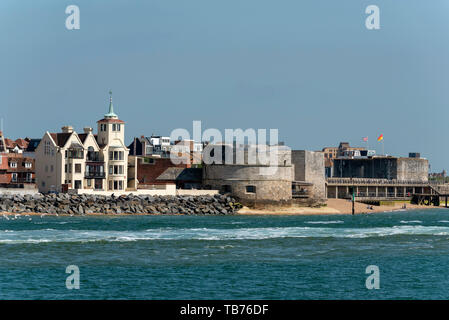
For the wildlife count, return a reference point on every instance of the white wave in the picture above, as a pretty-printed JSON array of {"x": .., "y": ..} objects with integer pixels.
[
  {"x": 51, "y": 235},
  {"x": 325, "y": 222},
  {"x": 444, "y": 221},
  {"x": 411, "y": 221}
]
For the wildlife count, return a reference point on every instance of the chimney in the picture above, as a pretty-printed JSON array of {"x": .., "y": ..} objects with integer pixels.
[
  {"x": 88, "y": 130},
  {"x": 67, "y": 129}
]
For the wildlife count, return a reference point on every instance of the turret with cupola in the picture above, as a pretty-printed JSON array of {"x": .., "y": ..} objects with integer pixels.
[{"x": 110, "y": 138}]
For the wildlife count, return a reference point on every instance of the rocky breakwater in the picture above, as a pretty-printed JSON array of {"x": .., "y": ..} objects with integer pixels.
[{"x": 138, "y": 204}]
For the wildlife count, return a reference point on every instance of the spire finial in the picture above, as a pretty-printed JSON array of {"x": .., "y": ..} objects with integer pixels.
[{"x": 111, "y": 113}]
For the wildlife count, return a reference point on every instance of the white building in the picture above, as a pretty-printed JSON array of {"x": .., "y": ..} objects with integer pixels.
[{"x": 68, "y": 160}]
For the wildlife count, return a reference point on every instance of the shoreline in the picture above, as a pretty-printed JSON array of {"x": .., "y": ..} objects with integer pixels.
[{"x": 333, "y": 207}]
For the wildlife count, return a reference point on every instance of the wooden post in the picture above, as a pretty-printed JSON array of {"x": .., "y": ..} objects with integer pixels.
[{"x": 353, "y": 198}]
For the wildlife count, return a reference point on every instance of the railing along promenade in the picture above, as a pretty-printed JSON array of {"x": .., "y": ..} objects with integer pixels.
[{"x": 375, "y": 182}]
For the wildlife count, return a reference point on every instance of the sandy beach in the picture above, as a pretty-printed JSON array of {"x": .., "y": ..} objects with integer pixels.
[{"x": 333, "y": 206}]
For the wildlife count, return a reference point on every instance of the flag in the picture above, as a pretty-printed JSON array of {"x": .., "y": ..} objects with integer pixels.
[
  {"x": 365, "y": 139},
  {"x": 381, "y": 137}
]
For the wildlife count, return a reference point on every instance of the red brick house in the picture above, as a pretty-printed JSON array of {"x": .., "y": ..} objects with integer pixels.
[
  {"x": 16, "y": 171},
  {"x": 149, "y": 169}
]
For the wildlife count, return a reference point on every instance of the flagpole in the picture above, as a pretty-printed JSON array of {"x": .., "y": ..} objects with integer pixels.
[{"x": 383, "y": 149}]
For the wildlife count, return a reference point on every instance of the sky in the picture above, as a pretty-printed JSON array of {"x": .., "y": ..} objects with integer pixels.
[{"x": 310, "y": 69}]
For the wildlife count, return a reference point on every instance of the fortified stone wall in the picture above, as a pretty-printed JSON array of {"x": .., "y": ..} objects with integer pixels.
[
  {"x": 309, "y": 167},
  {"x": 416, "y": 169},
  {"x": 263, "y": 189},
  {"x": 255, "y": 155}
]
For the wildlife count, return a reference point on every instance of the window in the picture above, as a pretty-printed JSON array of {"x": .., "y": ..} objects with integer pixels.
[
  {"x": 13, "y": 164},
  {"x": 43, "y": 183},
  {"x": 120, "y": 185},
  {"x": 89, "y": 182},
  {"x": 120, "y": 155},
  {"x": 66, "y": 154},
  {"x": 111, "y": 155},
  {"x": 226, "y": 188},
  {"x": 111, "y": 168},
  {"x": 14, "y": 177},
  {"x": 149, "y": 160},
  {"x": 110, "y": 185},
  {"x": 114, "y": 127},
  {"x": 47, "y": 148},
  {"x": 77, "y": 168},
  {"x": 51, "y": 168},
  {"x": 118, "y": 169},
  {"x": 250, "y": 189},
  {"x": 65, "y": 168},
  {"x": 28, "y": 165},
  {"x": 118, "y": 127}
]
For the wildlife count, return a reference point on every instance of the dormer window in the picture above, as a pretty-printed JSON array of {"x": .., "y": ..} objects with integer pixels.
[{"x": 13, "y": 164}]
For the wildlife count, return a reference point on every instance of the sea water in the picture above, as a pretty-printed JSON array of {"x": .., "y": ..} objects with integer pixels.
[{"x": 227, "y": 257}]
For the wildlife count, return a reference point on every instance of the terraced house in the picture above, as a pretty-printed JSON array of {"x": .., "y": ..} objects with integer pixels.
[
  {"x": 70, "y": 161},
  {"x": 16, "y": 164}
]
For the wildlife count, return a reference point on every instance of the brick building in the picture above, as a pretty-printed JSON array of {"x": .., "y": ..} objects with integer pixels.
[
  {"x": 17, "y": 169},
  {"x": 149, "y": 169}
]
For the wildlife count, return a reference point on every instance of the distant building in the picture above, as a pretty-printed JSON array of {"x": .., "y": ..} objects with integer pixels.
[
  {"x": 17, "y": 167},
  {"x": 382, "y": 167},
  {"x": 18, "y": 146},
  {"x": 343, "y": 150},
  {"x": 67, "y": 160},
  {"x": 16, "y": 171},
  {"x": 189, "y": 148},
  {"x": 30, "y": 150},
  {"x": 150, "y": 146}
]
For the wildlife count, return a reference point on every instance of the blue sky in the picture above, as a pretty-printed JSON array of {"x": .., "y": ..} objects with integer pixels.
[{"x": 309, "y": 68}]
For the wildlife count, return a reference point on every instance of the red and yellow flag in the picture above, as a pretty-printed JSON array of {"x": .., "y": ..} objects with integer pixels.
[{"x": 381, "y": 137}]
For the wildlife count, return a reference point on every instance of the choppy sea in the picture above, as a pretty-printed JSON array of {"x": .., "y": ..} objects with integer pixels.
[{"x": 226, "y": 257}]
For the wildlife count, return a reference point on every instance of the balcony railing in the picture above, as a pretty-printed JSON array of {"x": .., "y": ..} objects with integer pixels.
[
  {"x": 76, "y": 154},
  {"x": 23, "y": 180},
  {"x": 370, "y": 181},
  {"x": 94, "y": 157},
  {"x": 95, "y": 175}
]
